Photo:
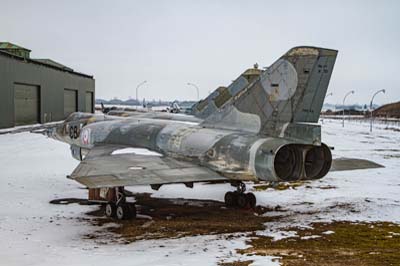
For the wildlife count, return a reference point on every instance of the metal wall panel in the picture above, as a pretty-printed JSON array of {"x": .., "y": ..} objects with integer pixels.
[
  {"x": 26, "y": 104},
  {"x": 70, "y": 101},
  {"x": 51, "y": 83},
  {"x": 89, "y": 102}
]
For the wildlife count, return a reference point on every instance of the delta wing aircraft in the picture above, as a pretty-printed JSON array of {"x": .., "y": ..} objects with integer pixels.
[{"x": 267, "y": 131}]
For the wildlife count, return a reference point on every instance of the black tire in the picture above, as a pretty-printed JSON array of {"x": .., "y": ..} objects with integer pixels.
[
  {"x": 110, "y": 210},
  {"x": 251, "y": 199},
  {"x": 242, "y": 200},
  {"x": 132, "y": 209},
  {"x": 123, "y": 212},
  {"x": 230, "y": 199}
]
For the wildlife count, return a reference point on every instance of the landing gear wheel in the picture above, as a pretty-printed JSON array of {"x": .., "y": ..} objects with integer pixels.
[
  {"x": 251, "y": 199},
  {"x": 242, "y": 200},
  {"x": 110, "y": 209},
  {"x": 230, "y": 199},
  {"x": 123, "y": 212},
  {"x": 132, "y": 209}
]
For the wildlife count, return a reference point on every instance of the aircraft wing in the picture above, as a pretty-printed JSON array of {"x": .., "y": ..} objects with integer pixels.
[
  {"x": 346, "y": 164},
  {"x": 104, "y": 166}
]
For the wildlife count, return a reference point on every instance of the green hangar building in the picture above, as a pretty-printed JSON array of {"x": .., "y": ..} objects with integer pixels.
[{"x": 39, "y": 90}]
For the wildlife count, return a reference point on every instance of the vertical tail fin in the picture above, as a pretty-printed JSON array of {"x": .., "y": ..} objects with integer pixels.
[
  {"x": 314, "y": 81},
  {"x": 290, "y": 91}
]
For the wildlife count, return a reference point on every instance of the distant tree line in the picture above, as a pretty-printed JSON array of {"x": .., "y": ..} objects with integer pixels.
[{"x": 134, "y": 102}]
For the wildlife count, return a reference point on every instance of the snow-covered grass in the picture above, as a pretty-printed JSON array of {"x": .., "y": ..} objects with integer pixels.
[
  {"x": 33, "y": 172},
  {"x": 35, "y": 232}
]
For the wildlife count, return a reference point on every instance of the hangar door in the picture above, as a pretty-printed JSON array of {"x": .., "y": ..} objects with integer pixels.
[
  {"x": 26, "y": 104},
  {"x": 89, "y": 102},
  {"x": 70, "y": 101}
]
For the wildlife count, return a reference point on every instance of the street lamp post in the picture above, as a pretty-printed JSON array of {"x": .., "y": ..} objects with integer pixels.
[
  {"x": 370, "y": 109},
  {"x": 137, "y": 88},
  {"x": 197, "y": 89},
  {"x": 344, "y": 99}
]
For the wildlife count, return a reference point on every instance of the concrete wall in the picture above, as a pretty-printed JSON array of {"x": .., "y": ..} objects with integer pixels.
[{"x": 51, "y": 82}]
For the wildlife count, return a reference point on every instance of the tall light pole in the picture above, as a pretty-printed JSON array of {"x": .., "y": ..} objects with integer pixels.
[
  {"x": 329, "y": 94},
  {"x": 197, "y": 89},
  {"x": 137, "y": 88},
  {"x": 370, "y": 108},
  {"x": 344, "y": 99},
  {"x": 326, "y": 96}
]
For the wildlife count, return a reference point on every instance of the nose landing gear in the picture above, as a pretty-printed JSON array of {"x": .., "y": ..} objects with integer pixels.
[{"x": 240, "y": 199}]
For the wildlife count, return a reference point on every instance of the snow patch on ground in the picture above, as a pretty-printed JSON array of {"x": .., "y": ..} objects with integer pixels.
[{"x": 309, "y": 237}]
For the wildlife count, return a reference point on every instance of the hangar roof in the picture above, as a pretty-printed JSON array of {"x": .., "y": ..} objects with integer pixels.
[
  {"x": 8, "y": 45},
  {"x": 53, "y": 63},
  {"x": 44, "y": 62},
  {"x": 20, "y": 53}
]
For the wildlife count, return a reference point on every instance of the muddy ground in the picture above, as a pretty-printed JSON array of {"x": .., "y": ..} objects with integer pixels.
[{"x": 335, "y": 243}]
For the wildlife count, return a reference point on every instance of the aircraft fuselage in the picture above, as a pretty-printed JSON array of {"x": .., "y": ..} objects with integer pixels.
[{"x": 234, "y": 154}]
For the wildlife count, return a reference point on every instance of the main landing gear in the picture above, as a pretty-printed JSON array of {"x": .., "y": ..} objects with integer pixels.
[
  {"x": 240, "y": 199},
  {"x": 119, "y": 208}
]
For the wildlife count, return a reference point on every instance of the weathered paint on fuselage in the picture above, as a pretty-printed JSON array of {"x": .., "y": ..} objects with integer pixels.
[
  {"x": 221, "y": 150},
  {"x": 236, "y": 154},
  {"x": 230, "y": 153}
]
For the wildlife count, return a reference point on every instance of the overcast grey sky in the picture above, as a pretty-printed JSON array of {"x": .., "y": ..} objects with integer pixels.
[{"x": 170, "y": 43}]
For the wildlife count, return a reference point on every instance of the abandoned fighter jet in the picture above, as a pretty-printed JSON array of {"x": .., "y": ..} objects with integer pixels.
[{"x": 266, "y": 132}]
